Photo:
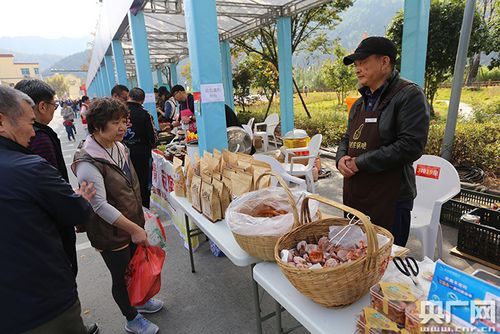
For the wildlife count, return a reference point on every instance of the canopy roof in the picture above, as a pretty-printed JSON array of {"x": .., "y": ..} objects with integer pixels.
[{"x": 166, "y": 28}]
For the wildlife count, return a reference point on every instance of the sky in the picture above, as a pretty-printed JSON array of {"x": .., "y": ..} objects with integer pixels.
[{"x": 48, "y": 18}]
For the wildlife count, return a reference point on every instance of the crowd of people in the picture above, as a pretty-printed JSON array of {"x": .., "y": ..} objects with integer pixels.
[{"x": 386, "y": 132}]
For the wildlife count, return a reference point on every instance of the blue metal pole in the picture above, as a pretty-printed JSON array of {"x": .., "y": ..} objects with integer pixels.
[
  {"x": 101, "y": 81},
  {"x": 173, "y": 74},
  {"x": 104, "y": 74},
  {"x": 142, "y": 64},
  {"x": 415, "y": 32},
  {"x": 227, "y": 73},
  {"x": 159, "y": 77},
  {"x": 110, "y": 71},
  {"x": 116, "y": 46},
  {"x": 204, "y": 54},
  {"x": 285, "y": 73}
]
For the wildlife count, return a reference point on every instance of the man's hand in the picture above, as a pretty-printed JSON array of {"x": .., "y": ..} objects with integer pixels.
[
  {"x": 344, "y": 168},
  {"x": 86, "y": 190},
  {"x": 140, "y": 237},
  {"x": 351, "y": 164}
]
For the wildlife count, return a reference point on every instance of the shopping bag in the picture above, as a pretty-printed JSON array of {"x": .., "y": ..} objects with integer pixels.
[
  {"x": 143, "y": 275},
  {"x": 154, "y": 229}
]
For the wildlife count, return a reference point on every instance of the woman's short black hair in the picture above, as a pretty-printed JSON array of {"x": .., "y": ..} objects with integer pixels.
[{"x": 104, "y": 110}]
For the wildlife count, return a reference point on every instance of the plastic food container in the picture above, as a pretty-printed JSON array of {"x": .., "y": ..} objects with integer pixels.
[
  {"x": 414, "y": 326},
  {"x": 379, "y": 323},
  {"x": 393, "y": 309},
  {"x": 296, "y": 139}
]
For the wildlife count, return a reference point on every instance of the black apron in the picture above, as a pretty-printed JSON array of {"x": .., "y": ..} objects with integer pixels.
[{"x": 374, "y": 194}]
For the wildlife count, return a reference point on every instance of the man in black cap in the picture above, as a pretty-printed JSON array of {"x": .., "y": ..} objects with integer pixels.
[{"x": 387, "y": 131}]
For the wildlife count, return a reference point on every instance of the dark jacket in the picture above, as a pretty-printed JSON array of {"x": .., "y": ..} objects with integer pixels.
[
  {"x": 47, "y": 145},
  {"x": 403, "y": 129},
  {"x": 188, "y": 104},
  {"x": 121, "y": 192},
  {"x": 36, "y": 281},
  {"x": 140, "y": 137}
]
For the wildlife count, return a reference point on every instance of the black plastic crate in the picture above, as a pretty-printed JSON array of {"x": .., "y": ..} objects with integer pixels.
[
  {"x": 464, "y": 202},
  {"x": 481, "y": 240}
]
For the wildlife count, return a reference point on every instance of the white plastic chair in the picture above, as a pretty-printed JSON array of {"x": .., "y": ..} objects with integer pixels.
[
  {"x": 431, "y": 194},
  {"x": 250, "y": 122},
  {"x": 248, "y": 129},
  {"x": 297, "y": 169},
  {"x": 271, "y": 122},
  {"x": 278, "y": 168}
]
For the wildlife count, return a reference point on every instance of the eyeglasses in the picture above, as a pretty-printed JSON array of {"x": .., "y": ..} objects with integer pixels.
[{"x": 53, "y": 104}]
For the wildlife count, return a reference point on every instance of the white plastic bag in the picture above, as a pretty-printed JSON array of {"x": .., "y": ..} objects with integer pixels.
[
  {"x": 240, "y": 220},
  {"x": 349, "y": 237},
  {"x": 154, "y": 229}
]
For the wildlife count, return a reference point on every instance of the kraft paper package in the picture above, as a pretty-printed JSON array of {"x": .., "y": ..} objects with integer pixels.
[
  {"x": 260, "y": 168},
  {"x": 218, "y": 155},
  {"x": 196, "y": 164},
  {"x": 210, "y": 202},
  {"x": 223, "y": 193},
  {"x": 179, "y": 179},
  {"x": 196, "y": 193},
  {"x": 230, "y": 159},
  {"x": 241, "y": 183},
  {"x": 189, "y": 172}
]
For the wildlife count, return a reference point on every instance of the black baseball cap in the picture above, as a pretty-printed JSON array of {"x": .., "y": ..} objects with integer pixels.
[{"x": 375, "y": 45}]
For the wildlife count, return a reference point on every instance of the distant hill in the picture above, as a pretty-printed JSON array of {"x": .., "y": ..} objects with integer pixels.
[
  {"x": 63, "y": 46},
  {"x": 72, "y": 62}
]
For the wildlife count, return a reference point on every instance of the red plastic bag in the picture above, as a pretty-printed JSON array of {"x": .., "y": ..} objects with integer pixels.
[{"x": 144, "y": 274}]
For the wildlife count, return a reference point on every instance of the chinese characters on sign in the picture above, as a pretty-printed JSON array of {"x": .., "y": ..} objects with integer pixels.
[
  {"x": 428, "y": 171},
  {"x": 212, "y": 93}
]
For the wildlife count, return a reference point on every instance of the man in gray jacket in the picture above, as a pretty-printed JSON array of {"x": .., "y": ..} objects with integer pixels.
[{"x": 387, "y": 131}]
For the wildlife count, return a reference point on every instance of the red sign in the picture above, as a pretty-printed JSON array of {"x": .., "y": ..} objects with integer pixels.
[
  {"x": 431, "y": 172},
  {"x": 196, "y": 96}
]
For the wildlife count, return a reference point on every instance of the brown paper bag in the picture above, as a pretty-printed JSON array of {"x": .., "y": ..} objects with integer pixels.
[
  {"x": 206, "y": 177},
  {"x": 179, "y": 179},
  {"x": 204, "y": 168},
  {"x": 245, "y": 166},
  {"x": 218, "y": 156},
  {"x": 196, "y": 193},
  {"x": 241, "y": 183},
  {"x": 260, "y": 168},
  {"x": 189, "y": 172},
  {"x": 216, "y": 176},
  {"x": 223, "y": 193},
  {"x": 227, "y": 182},
  {"x": 213, "y": 165},
  {"x": 196, "y": 164},
  {"x": 210, "y": 202},
  {"x": 230, "y": 159}
]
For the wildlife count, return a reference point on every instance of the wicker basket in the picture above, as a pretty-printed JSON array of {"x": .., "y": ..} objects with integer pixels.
[
  {"x": 262, "y": 247},
  {"x": 344, "y": 284}
]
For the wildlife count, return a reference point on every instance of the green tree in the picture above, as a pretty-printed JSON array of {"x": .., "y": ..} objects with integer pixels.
[
  {"x": 186, "y": 73},
  {"x": 308, "y": 32},
  {"x": 265, "y": 78},
  {"x": 58, "y": 83},
  {"x": 242, "y": 80},
  {"x": 494, "y": 42},
  {"x": 337, "y": 76},
  {"x": 445, "y": 21}
]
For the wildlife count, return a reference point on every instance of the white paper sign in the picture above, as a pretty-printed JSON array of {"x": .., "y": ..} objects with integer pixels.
[
  {"x": 150, "y": 98},
  {"x": 212, "y": 93}
]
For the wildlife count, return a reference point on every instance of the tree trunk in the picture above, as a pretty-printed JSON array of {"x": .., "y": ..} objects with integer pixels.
[
  {"x": 473, "y": 69},
  {"x": 269, "y": 104},
  {"x": 301, "y": 99}
]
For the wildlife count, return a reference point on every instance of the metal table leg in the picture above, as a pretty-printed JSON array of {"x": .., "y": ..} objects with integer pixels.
[
  {"x": 277, "y": 310},
  {"x": 190, "y": 246},
  {"x": 256, "y": 302}
]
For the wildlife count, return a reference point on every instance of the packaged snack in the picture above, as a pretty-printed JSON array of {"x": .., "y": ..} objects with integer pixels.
[
  {"x": 189, "y": 172},
  {"x": 373, "y": 322},
  {"x": 230, "y": 159},
  {"x": 241, "y": 183},
  {"x": 392, "y": 300},
  {"x": 223, "y": 194},
  {"x": 210, "y": 202},
  {"x": 179, "y": 179},
  {"x": 259, "y": 168},
  {"x": 196, "y": 193}
]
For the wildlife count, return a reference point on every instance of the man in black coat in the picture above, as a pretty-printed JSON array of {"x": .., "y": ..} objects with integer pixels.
[
  {"x": 35, "y": 202},
  {"x": 140, "y": 139}
]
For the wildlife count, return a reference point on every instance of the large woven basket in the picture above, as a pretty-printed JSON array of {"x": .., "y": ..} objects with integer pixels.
[
  {"x": 262, "y": 247},
  {"x": 346, "y": 283}
]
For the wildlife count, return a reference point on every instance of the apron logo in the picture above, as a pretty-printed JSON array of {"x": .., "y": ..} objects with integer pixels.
[{"x": 357, "y": 133}]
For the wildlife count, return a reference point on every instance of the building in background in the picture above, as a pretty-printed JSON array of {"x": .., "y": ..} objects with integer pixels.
[{"x": 12, "y": 72}]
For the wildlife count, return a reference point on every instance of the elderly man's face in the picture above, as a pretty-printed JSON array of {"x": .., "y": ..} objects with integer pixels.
[
  {"x": 21, "y": 129},
  {"x": 371, "y": 69}
]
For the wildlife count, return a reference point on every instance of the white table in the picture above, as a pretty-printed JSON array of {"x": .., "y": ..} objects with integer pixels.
[{"x": 314, "y": 317}]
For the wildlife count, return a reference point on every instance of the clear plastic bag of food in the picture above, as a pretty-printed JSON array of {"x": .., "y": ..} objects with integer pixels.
[{"x": 265, "y": 212}]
